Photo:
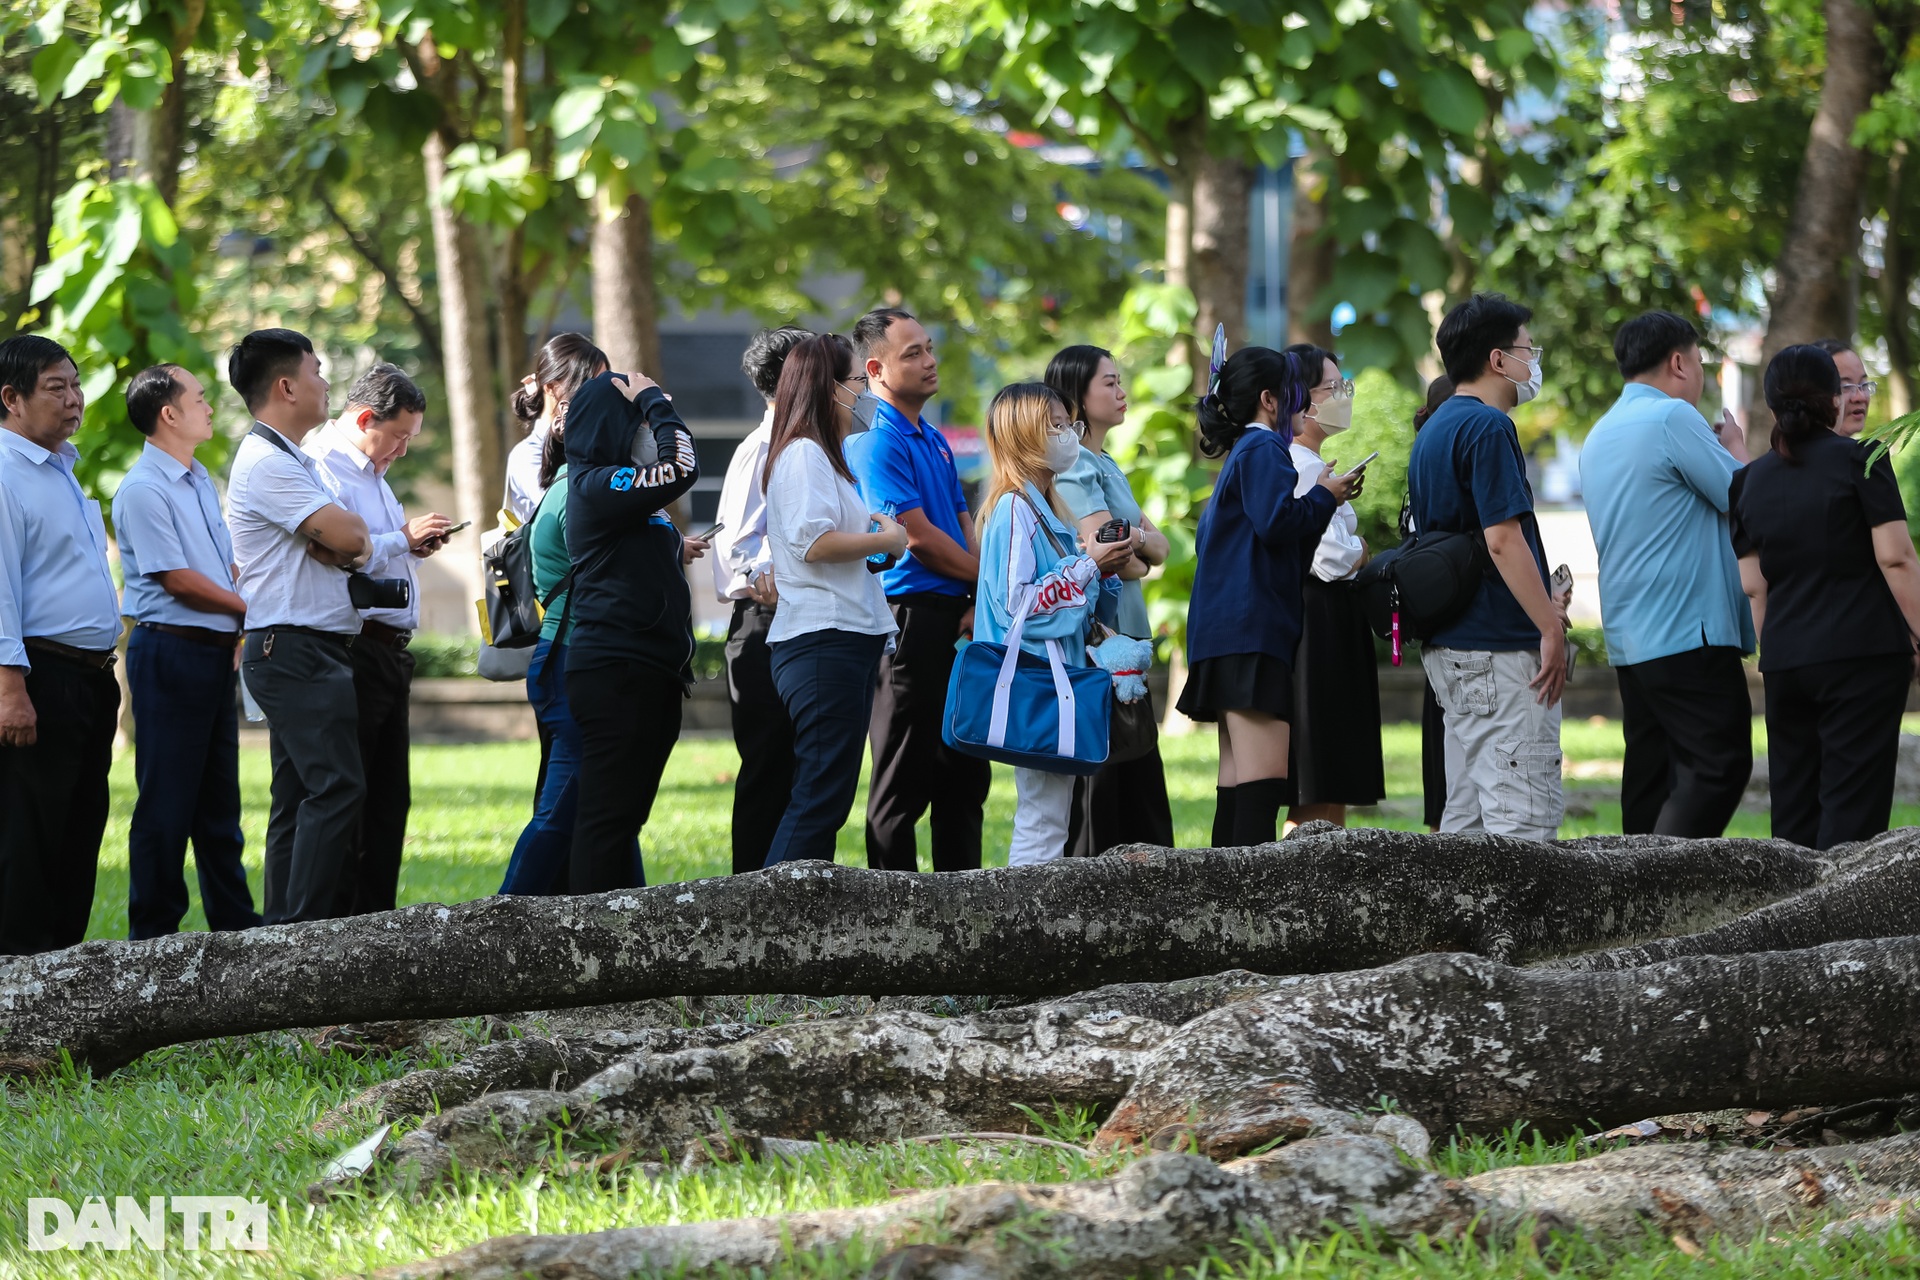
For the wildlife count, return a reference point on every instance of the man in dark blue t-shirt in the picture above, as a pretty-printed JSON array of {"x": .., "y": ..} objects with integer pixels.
[
  {"x": 1499, "y": 669},
  {"x": 906, "y": 469}
]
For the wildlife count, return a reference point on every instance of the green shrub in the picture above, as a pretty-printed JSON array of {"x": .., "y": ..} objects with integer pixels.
[{"x": 443, "y": 655}]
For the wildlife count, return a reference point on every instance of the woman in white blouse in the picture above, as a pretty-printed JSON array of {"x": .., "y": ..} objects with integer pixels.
[
  {"x": 1336, "y": 727},
  {"x": 833, "y": 622}
]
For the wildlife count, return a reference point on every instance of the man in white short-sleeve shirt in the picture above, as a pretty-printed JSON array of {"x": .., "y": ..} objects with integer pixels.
[{"x": 294, "y": 544}]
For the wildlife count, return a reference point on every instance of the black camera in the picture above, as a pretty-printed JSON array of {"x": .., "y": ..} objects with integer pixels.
[
  {"x": 378, "y": 593},
  {"x": 1113, "y": 531}
]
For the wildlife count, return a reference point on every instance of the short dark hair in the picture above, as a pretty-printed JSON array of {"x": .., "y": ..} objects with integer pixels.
[
  {"x": 870, "y": 330},
  {"x": 1646, "y": 341},
  {"x": 1474, "y": 330},
  {"x": 23, "y": 359},
  {"x": 152, "y": 390},
  {"x": 1832, "y": 346},
  {"x": 388, "y": 391},
  {"x": 262, "y": 358},
  {"x": 766, "y": 351}
]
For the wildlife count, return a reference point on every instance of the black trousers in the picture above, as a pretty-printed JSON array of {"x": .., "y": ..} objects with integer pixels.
[
  {"x": 1689, "y": 728},
  {"x": 1833, "y": 742},
  {"x": 826, "y": 679},
  {"x": 913, "y": 770},
  {"x": 763, "y": 733},
  {"x": 53, "y": 806},
  {"x": 1125, "y": 803},
  {"x": 304, "y": 684},
  {"x": 382, "y": 682},
  {"x": 1433, "y": 757},
  {"x": 629, "y": 718},
  {"x": 186, "y": 759}
]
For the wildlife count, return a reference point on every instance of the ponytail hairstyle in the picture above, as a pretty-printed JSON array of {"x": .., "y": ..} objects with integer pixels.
[
  {"x": 564, "y": 363},
  {"x": 1234, "y": 399},
  {"x": 1017, "y": 424},
  {"x": 803, "y": 400},
  {"x": 1802, "y": 386},
  {"x": 1439, "y": 391}
]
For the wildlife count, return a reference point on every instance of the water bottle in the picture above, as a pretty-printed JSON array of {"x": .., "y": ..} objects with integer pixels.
[{"x": 878, "y": 563}]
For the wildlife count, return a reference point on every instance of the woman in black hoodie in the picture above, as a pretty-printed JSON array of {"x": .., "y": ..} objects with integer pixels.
[{"x": 629, "y": 665}]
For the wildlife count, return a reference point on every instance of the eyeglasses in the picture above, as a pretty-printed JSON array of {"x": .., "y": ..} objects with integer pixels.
[
  {"x": 860, "y": 378},
  {"x": 1866, "y": 388},
  {"x": 1533, "y": 353},
  {"x": 1076, "y": 429},
  {"x": 1337, "y": 387}
]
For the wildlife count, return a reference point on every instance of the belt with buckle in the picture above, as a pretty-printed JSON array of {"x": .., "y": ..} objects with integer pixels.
[
  {"x": 98, "y": 659},
  {"x": 381, "y": 633},
  {"x": 209, "y": 636}
]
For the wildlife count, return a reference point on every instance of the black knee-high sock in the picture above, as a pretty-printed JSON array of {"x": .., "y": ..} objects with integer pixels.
[
  {"x": 1256, "y": 810},
  {"x": 1223, "y": 817}
]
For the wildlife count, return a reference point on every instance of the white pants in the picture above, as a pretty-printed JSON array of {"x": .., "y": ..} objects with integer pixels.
[
  {"x": 1041, "y": 807},
  {"x": 1503, "y": 747}
]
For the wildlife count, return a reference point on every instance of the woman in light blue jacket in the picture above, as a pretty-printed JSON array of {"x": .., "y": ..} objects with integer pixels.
[{"x": 1031, "y": 562}]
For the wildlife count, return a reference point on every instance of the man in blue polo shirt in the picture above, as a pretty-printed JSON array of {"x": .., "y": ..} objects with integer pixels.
[
  {"x": 906, "y": 470},
  {"x": 1498, "y": 670},
  {"x": 1656, "y": 481}
]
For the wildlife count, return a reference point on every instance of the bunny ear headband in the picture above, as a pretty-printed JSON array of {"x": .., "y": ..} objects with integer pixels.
[{"x": 1214, "y": 361}]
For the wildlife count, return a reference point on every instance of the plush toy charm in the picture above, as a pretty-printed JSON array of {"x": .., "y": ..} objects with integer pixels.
[{"x": 1127, "y": 660}]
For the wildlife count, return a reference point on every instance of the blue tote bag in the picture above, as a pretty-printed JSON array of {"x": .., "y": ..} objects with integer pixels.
[{"x": 1026, "y": 710}]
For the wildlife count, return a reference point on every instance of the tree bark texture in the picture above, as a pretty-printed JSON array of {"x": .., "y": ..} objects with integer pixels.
[
  {"x": 1895, "y": 286},
  {"x": 1329, "y": 903},
  {"x": 1818, "y": 270},
  {"x": 626, "y": 322},
  {"x": 1311, "y": 249},
  {"x": 1222, "y": 192},
  {"x": 479, "y": 465},
  {"x": 1171, "y": 1211},
  {"x": 1457, "y": 1040},
  {"x": 511, "y": 294}
]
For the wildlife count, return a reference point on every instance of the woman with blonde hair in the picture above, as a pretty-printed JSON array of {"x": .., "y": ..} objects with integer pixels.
[{"x": 1030, "y": 561}]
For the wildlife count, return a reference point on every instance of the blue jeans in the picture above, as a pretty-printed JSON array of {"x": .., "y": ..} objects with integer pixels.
[
  {"x": 539, "y": 862},
  {"x": 186, "y": 760},
  {"x": 826, "y": 678}
]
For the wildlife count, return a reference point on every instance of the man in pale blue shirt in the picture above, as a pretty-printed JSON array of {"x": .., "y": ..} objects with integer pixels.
[
  {"x": 59, "y": 620},
  {"x": 1656, "y": 478},
  {"x": 177, "y": 560}
]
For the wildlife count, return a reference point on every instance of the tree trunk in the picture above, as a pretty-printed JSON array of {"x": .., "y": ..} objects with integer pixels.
[
  {"x": 479, "y": 468},
  {"x": 510, "y": 313},
  {"x": 169, "y": 126},
  {"x": 1896, "y": 286},
  {"x": 1815, "y": 276},
  {"x": 1169, "y": 1213},
  {"x": 1343, "y": 901},
  {"x": 1311, "y": 251},
  {"x": 626, "y": 324},
  {"x": 46, "y": 183},
  {"x": 1222, "y": 195}
]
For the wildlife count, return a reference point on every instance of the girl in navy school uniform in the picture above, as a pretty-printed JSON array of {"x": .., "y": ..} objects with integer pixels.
[{"x": 1255, "y": 544}]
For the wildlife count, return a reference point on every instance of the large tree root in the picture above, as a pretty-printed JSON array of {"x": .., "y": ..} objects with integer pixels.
[
  {"x": 1173, "y": 1210},
  {"x": 1311, "y": 905},
  {"x": 1456, "y": 1040},
  {"x": 1873, "y": 893}
]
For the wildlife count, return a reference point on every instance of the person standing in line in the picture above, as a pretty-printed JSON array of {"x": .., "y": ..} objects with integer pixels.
[
  {"x": 1657, "y": 479},
  {"x": 59, "y": 621},
  {"x": 1126, "y": 802},
  {"x": 384, "y": 413},
  {"x": 744, "y": 578},
  {"x": 295, "y": 546},
  {"x": 1830, "y": 568},
  {"x": 1030, "y": 562},
  {"x": 906, "y": 471},
  {"x": 1433, "y": 723},
  {"x": 1856, "y": 388},
  {"x": 1499, "y": 669},
  {"x": 1336, "y": 680},
  {"x": 833, "y": 623},
  {"x": 630, "y": 654},
  {"x": 1255, "y": 542},
  {"x": 177, "y": 559}
]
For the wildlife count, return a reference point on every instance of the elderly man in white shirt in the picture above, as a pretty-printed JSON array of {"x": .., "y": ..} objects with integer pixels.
[
  {"x": 293, "y": 543},
  {"x": 59, "y": 620},
  {"x": 383, "y": 414},
  {"x": 743, "y": 575}
]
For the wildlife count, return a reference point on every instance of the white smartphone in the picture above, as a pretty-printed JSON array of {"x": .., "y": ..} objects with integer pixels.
[{"x": 1362, "y": 466}]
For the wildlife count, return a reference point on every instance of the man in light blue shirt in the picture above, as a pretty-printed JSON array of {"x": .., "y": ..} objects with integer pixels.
[
  {"x": 59, "y": 619},
  {"x": 1656, "y": 478},
  {"x": 177, "y": 560}
]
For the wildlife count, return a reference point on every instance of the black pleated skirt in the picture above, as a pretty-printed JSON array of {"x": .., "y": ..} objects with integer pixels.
[
  {"x": 1238, "y": 682},
  {"x": 1336, "y": 702}
]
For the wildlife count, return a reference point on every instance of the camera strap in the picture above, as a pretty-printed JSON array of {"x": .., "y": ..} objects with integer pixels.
[{"x": 275, "y": 439}]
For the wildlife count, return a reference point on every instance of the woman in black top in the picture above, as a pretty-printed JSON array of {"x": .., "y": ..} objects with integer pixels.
[{"x": 1826, "y": 559}]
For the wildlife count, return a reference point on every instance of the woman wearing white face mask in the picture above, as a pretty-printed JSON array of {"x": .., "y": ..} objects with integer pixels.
[{"x": 1336, "y": 726}]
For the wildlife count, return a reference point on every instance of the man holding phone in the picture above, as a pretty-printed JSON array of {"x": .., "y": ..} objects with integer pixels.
[
  {"x": 1656, "y": 479},
  {"x": 384, "y": 413}
]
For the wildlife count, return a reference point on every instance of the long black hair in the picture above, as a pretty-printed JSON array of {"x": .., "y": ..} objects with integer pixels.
[
  {"x": 1801, "y": 387},
  {"x": 1070, "y": 373},
  {"x": 1226, "y": 409},
  {"x": 1439, "y": 391},
  {"x": 566, "y": 361}
]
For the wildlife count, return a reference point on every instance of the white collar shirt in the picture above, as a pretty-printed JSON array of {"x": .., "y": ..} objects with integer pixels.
[
  {"x": 523, "y": 471},
  {"x": 273, "y": 488},
  {"x": 358, "y": 485},
  {"x": 55, "y": 582},
  {"x": 167, "y": 516},
  {"x": 740, "y": 550},
  {"x": 1341, "y": 550}
]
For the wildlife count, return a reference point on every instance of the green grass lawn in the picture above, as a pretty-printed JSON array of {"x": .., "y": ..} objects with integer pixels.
[{"x": 232, "y": 1117}]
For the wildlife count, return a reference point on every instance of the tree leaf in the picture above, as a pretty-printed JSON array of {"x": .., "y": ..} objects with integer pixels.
[{"x": 1451, "y": 99}]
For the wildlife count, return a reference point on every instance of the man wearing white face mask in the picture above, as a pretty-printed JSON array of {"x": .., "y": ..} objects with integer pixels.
[{"x": 1498, "y": 670}]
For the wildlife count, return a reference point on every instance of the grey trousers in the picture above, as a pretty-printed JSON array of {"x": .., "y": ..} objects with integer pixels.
[{"x": 304, "y": 684}]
